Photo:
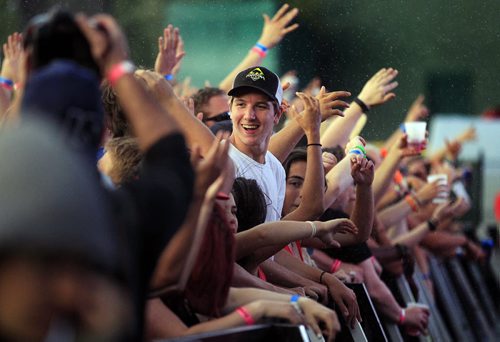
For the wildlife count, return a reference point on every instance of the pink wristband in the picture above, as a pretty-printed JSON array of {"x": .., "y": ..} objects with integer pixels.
[
  {"x": 258, "y": 51},
  {"x": 402, "y": 317},
  {"x": 335, "y": 266},
  {"x": 118, "y": 70},
  {"x": 247, "y": 317}
]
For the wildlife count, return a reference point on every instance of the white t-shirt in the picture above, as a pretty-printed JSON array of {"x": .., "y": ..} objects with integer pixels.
[{"x": 270, "y": 176}]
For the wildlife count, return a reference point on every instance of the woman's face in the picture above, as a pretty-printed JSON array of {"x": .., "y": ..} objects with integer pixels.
[
  {"x": 229, "y": 207},
  {"x": 294, "y": 183}
]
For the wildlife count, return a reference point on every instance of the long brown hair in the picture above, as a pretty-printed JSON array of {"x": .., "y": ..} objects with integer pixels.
[{"x": 208, "y": 285}]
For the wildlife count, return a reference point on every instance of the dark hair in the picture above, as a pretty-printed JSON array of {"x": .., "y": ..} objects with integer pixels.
[
  {"x": 203, "y": 96},
  {"x": 210, "y": 279},
  {"x": 114, "y": 118},
  {"x": 250, "y": 202},
  {"x": 245, "y": 90},
  {"x": 55, "y": 35},
  {"x": 298, "y": 154}
]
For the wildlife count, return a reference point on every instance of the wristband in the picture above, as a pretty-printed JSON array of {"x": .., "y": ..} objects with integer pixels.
[
  {"x": 169, "y": 77},
  {"x": 119, "y": 70},
  {"x": 415, "y": 198},
  {"x": 363, "y": 105},
  {"x": 411, "y": 203},
  {"x": 6, "y": 83},
  {"x": 314, "y": 228},
  {"x": 357, "y": 152},
  {"x": 295, "y": 303},
  {"x": 222, "y": 196},
  {"x": 335, "y": 266},
  {"x": 247, "y": 317},
  {"x": 402, "y": 127},
  {"x": 314, "y": 144},
  {"x": 262, "y": 47},
  {"x": 402, "y": 317},
  {"x": 259, "y": 51},
  {"x": 432, "y": 225}
]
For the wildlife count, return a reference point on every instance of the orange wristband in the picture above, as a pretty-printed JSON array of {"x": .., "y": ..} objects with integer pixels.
[{"x": 411, "y": 202}]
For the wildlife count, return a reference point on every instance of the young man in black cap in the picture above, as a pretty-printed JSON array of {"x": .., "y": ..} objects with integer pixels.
[{"x": 255, "y": 109}]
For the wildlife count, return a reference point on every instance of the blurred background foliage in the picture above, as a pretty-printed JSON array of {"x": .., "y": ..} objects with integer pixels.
[{"x": 447, "y": 50}]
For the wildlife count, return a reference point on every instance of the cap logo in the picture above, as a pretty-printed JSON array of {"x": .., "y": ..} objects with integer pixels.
[{"x": 256, "y": 74}]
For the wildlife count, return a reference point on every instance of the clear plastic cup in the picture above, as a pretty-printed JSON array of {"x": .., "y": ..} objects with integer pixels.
[
  {"x": 416, "y": 133},
  {"x": 442, "y": 179}
]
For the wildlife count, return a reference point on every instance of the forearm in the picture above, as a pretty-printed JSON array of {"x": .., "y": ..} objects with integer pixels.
[
  {"x": 195, "y": 132},
  {"x": 241, "y": 278},
  {"x": 339, "y": 130},
  {"x": 312, "y": 203},
  {"x": 284, "y": 141},
  {"x": 148, "y": 119},
  {"x": 279, "y": 234},
  {"x": 251, "y": 59},
  {"x": 378, "y": 291},
  {"x": 297, "y": 266},
  {"x": 413, "y": 237},
  {"x": 244, "y": 295},
  {"x": 5, "y": 95},
  {"x": 281, "y": 276},
  {"x": 394, "y": 213},
  {"x": 338, "y": 179},
  {"x": 384, "y": 174},
  {"x": 362, "y": 215}
]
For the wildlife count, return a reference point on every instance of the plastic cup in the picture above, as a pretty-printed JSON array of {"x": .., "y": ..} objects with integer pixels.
[
  {"x": 442, "y": 179},
  {"x": 416, "y": 133}
]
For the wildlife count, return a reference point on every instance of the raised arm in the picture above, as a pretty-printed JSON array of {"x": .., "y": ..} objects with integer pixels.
[
  {"x": 389, "y": 165},
  {"x": 284, "y": 141},
  {"x": 313, "y": 189},
  {"x": 109, "y": 48},
  {"x": 273, "y": 31},
  {"x": 10, "y": 74},
  {"x": 170, "y": 52},
  {"x": 375, "y": 92},
  {"x": 194, "y": 130}
]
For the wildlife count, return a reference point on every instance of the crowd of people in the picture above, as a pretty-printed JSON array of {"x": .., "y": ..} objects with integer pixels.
[{"x": 137, "y": 207}]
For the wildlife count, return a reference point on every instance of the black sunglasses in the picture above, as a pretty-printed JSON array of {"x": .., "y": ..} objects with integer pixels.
[{"x": 219, "y": 117}]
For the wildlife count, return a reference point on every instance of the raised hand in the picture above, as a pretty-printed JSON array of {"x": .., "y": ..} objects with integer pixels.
[
  {"x": 329, "y": 103},
  {"x": 310, "y": 118},
  {"x": 430, "y": 191},
  {"x": 12, "y": 51},
  {"x": 362, "y": 170},
  {"x": 355, "y": 142},
  {"x": 106, "y": 39},
  {"x": 378, "y": 89},
  {"x": 278, "y": 27},
  {"x": 169, "y": 54},
  {"x": 418, "y": 111},
  {"x": 404, "y": 149}
]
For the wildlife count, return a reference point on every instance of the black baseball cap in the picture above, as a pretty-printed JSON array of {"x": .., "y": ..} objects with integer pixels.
[{"x": 261, "y": 79}]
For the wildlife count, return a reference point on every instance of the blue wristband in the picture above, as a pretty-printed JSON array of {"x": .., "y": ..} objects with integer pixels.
[
  {"x": 358, "y": 152},
  {"x": 6, "y": 81},
  {"x": 295, "y": 298},
  {"x": 169, "y": 77},
  {"x": 262, "y": 47},
  {"x": 402, "y": 127}
]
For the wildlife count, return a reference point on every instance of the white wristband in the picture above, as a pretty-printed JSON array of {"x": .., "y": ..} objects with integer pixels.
[{"x": 314, "y": 229}]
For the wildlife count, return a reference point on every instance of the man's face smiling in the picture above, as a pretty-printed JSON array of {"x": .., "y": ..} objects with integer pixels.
[{"x": 253, "y": 117}]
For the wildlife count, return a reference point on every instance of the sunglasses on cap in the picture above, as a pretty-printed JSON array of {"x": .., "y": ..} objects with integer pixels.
[{"x": 219, "y": 117}]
